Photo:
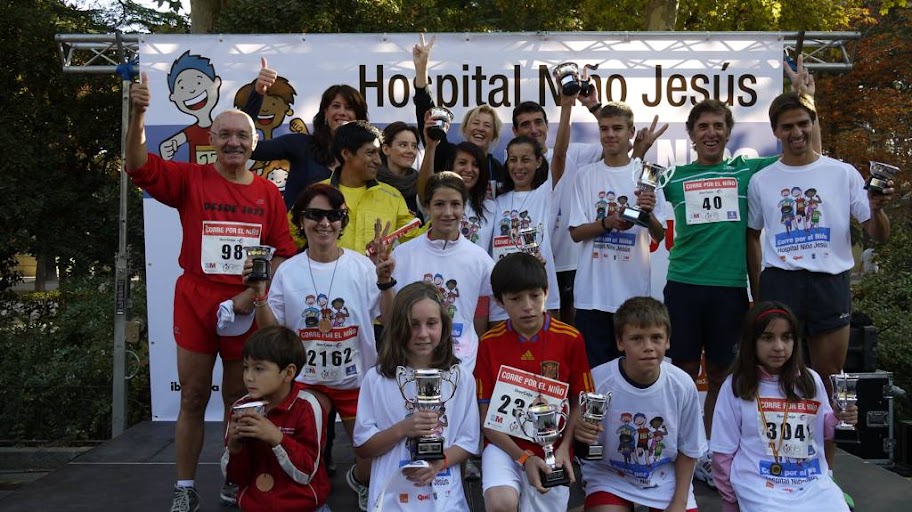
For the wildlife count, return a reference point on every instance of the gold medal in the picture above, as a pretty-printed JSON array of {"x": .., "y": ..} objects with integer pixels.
[
  {"x": 775, "y": 469},
  {"x": 325, "y": 325}
]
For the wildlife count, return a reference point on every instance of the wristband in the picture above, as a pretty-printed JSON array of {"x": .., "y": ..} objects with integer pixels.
[
  {"x": 386, "y": 286},
  {"x": 524, "y": 457},
  {"x": 446, "y": 462},
  {"x": 602, "y": 222},
  {"x": 593, "y": 108},
  {"x": 259, "y": 302}
]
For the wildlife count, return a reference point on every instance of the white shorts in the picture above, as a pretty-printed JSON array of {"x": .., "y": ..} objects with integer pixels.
[{"x": 498, "y": 469}]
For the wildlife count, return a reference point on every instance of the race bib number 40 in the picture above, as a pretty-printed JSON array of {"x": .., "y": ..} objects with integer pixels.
[
  {"x": 222, "y": 247},
  {"x": 711, "y": 200},
  {"x": 514, "y": 391}
]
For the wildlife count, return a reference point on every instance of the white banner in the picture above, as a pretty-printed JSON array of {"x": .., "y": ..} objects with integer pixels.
[{"x": 192, "y": 78}]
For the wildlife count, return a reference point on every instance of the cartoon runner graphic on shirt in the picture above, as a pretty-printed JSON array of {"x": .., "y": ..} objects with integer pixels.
[
  {"x": 311, "y": 313},
  {"x": 470, "y": 228},
  {"x": 340, "y": 312},
  {"x": 626, "y": 437},
  {"x": 276, "y": 107},
  {"x": 813, "y": 207},
  {"x": 798, "y": 198},
  {"x": 194, "y": 88},
  {"x": 787, "y": 209}
]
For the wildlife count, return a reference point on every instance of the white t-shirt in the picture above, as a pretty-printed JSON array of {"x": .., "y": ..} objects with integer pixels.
[
  {"x": 461, "y": 271},
  {"x": 804, "y": 212},
  {"x": 645, "y": 430},
  {"x": 474, "y": 229},
  {"x": 344, "y": 295},
  {"x": 613, "y": 266},
  {"x": 739, "y": 429},
  {"x": 566, "y": 251},
  {"x": 380, "y": 406},
  {"x": 516, "y": 211}
]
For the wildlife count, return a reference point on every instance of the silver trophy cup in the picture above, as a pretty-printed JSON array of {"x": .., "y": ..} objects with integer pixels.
[
  {"x": 845, "y": 393},
  {"x": 568, "y": 76},
  {"x": 547, "y": 427},
  {"x": 260, "y": 254},
  {"x": 528, "y": 239},
  {"x": 648, "y": 177},
  {"x": 593, "y": 407},
  {"x": 428, "y": 397},
  {"x": 881, "y": 174},
  {"x": 440, "y": 120}
]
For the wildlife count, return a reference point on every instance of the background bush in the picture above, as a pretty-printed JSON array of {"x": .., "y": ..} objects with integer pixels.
[{"x": 58, "y": 359}]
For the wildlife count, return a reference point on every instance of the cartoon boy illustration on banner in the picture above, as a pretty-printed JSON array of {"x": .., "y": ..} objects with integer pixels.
[
  {"x": 194, "y": 90},
  {"x": 276, "y": 107}
]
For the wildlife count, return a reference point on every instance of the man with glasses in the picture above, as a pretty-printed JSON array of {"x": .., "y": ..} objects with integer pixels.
[{"x": 223, "y": 208}]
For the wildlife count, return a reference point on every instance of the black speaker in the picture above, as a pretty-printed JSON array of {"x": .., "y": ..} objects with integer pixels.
[
  {"x": 862, "y": 353},
  {"x": 872, "y": 438}
]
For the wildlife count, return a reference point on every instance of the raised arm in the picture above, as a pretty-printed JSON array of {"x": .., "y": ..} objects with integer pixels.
[
  {"x": 421, "y": 52},
  {"x": 136, "y": 152},
  {"x": 559, "y": 158},
  {"x": 427, "y": 163}
]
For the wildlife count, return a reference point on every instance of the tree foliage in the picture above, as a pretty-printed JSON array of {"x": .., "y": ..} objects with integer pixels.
[{"x": 63, "y": 138}]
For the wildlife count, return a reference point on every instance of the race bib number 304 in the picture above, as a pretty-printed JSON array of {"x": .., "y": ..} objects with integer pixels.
[
  {"x": 711, "y": 200},
  {"x": 222, "y": 246},
  {"x": 792, "y": 436},
  {"x": 513, "y": 393}
]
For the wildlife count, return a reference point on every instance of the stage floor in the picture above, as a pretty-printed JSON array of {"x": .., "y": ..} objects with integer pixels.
[{"x": 135, "y": 473}]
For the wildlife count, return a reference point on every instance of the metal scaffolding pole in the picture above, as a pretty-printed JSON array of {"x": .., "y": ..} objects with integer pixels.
[{"x": 103, "y": 53}]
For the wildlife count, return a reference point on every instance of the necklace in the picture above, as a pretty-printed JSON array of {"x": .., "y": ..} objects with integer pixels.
[
  {"x": 775, "y": 467},
  {"x": 325, "y": 324}
]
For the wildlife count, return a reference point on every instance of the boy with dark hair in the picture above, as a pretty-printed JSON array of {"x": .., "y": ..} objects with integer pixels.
[
  {"x": 533, "y": 344},
  {"x": 274, "y": 455},
  {"x": 356, "y": 146},
  {"x": 651, "y": 461}
]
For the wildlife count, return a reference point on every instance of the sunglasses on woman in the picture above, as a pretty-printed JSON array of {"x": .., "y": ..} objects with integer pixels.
[{"x": 317, "y": 214}]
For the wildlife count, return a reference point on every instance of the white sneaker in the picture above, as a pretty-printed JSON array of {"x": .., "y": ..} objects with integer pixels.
[
  {"x": 357, "y": 487},
  {"x": 703, "y": 471}
]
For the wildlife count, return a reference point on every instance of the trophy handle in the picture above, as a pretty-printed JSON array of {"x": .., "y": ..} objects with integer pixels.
[
  {"x": 453, "y": 379},
  {"x": 401, "y": 380},
  {"x": 564, "y": 414},
  {"x": 665, "y": 177},
  {"x": 522, "y": 420}
]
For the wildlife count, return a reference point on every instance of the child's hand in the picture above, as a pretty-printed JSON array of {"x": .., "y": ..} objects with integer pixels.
[
  {"x": 534, "y": 466},
  {"x": 234, "y": 444},
  {"x": 562, "y": 457},
  {"x": 419, "y": 423},
  {"x": 256, "y": 426},
  {"x": 258, "y": 287},
  {"x": 646, "y": 200},
  {"x": 849, "y": 415},
  {"x": 587, "y": 433},
  {"x": 424, "y": 476}
]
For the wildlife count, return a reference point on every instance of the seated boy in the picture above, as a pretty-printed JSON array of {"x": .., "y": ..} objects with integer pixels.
[
  {"x": 274, "y": 457},
  {"x": 533, "y": 344},
  {"x": 653, "y": 431}
]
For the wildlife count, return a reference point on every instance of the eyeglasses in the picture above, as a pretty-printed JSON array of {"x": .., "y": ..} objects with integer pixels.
[
  {"x": 317, "y": 214},
  {"x": 226, "y": 135}
]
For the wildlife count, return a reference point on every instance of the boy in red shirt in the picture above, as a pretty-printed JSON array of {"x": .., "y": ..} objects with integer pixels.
[
  {"x": 530, "y": 341},
  {"x": 274, "y": 456}
]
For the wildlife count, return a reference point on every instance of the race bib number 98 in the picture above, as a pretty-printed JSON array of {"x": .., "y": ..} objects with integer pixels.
[{"x": 222, "y": 246}]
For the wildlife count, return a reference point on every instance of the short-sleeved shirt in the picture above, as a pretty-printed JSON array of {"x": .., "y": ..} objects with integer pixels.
[
  {"x": 644, "y": 431},
  {"x": 375, "y": 201},
  {"x": 557, "y": 351},
  {"x": 805, "y": 214},
  {"x": 218, "y": 217},
  {"x": 710, "y": 243}
]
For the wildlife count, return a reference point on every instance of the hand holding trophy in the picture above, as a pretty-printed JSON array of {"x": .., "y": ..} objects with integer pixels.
[
  {"x": 593, "y": 406},
  {"x": 546, "y": 430},
  {"x": 428, "y": 397}
]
